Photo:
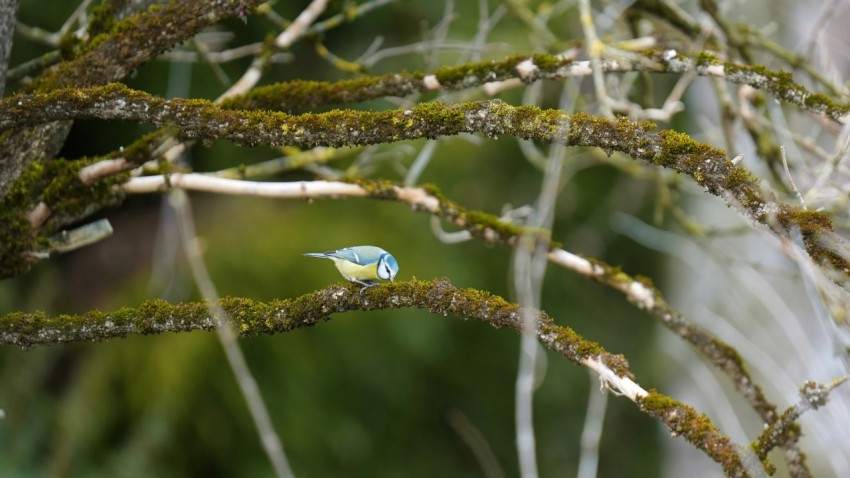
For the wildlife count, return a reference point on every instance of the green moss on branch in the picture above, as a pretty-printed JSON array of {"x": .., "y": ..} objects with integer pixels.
[
  {"x": 109, "y": 57},
  {"x": 708, "y": 166},
  {"x": 695, "y": 427},
  {"x": 300, "y": 95},
  {"x": 439, "y": 297},
  {"x": 278, "y": 316}
]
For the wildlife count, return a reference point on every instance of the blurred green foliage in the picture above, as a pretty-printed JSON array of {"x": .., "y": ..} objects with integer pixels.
[{"x": 366, "y": 394}]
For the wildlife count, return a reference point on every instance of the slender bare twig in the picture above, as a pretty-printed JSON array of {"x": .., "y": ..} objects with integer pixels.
[
  {"x": 477, "y": 442},
  {"x": 591, "y": 434},
  {"x": 594, "y": 49},
  {"x": 286, "y": 38},
  {"x": 791, "y": 178},
  {"x": 247, "y": 384}
]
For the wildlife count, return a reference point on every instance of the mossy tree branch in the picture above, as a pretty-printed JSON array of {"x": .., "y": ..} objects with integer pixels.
[
  {"x": 105, "y": 58},
  {"x": 297, "y": 95},
  {"x": 494, "y": 230},
  {"x": 708, "y": 166},
  {"x": 438, "y": 297}
]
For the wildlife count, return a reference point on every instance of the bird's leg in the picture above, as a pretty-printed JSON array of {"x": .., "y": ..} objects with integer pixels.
[{"x": 365, "y": 285}]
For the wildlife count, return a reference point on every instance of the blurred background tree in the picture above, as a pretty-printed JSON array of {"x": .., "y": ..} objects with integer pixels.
[{"x": 404, "y": 392}]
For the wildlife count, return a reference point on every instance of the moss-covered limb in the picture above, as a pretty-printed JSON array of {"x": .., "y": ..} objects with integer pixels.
[
  {"x": 279, "y": 316},
  {"x": 134, "y": 41},
  {"x": 21, "y": 147},
  {"x": 57, "y": 184},
  {"x": 494, "y": 230},
  {"x": 299, "y": 95},
  {"x": 778, "y": 84},
  {"x": 639, "y": 291},
  {"x": 708, "y": 166},
  {"x": 696, "y": 428},
  {"x": 109, "y": 57},
  {"x": 794, "y": 60}
]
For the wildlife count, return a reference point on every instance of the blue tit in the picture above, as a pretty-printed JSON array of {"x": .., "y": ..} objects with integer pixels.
[{"x": 362, "y": 264}]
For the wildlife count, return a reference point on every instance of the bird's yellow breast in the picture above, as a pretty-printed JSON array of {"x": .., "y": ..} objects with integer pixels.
[{"x": 350, "y": 270}]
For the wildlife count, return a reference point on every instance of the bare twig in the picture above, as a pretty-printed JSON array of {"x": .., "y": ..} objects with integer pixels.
[
  {"x": 791, "y": 178},
  {"x": 591, "y": 434},
  {"x": 476, "y": 442},
  {"x": 247, "y": 384}
]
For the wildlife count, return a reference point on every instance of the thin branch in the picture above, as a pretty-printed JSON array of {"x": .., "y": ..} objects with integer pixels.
[
  {"x": 203, "y": 182},
  {"x": 80, "y": 237},
  {"x": 295, "y": 30},
  {"x": 594, "y": 49},
  {"x": 30, "y": 67},
  {"x": 477, "y": 442},
  {"x": 791, "y": 178},
  {"x": 591, "y": 434}
]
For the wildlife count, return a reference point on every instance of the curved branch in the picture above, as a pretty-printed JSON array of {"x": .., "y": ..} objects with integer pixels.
[
  {"x": 708, "y": 166},
  {"x": 438, "y": 297}
]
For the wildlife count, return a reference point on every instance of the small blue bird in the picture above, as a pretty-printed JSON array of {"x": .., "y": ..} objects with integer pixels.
[{"x": 362, "y": 264}]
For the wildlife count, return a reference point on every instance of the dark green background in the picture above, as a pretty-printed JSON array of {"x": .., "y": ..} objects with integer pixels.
[{"x": 366, "y": 394}]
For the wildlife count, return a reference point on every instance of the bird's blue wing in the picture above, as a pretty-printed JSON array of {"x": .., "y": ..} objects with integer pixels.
[{"x": 358, "y": 254}]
